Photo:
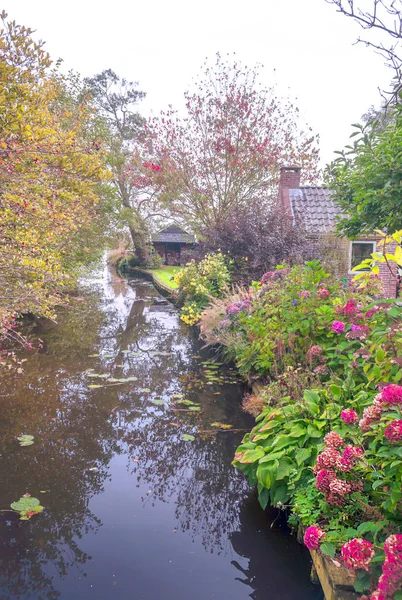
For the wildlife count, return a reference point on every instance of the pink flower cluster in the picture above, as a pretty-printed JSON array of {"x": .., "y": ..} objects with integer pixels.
[
  {"x": 305, "y": 294},
  {"x": 372, "y": 413},
  {"x": 349, "y": 416},
  {"x": 323, "y": 293},
  {"x": 371, "y": 312},
  {"x": 314, "y": 352},
  {"x": 338, "y": 326},
  {"x": 312, "y": 537},
  {"x": 391, "y": 578},
  {"x": 358, "y": 332},
  {"x": 329, "y": 462},
  {"x": 238, "y": 307},
  {"x": 152, "y": 166},
  {"x": 357, "y": 554},
  {"x": 392, "y": 395},
  {"x": 271, "y": 276},
  {"x": 393, "y": 432},
  {"x": 350, "y": 308}
]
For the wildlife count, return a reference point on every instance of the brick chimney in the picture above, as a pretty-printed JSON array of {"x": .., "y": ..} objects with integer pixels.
[{"x": 289, "y": 180}]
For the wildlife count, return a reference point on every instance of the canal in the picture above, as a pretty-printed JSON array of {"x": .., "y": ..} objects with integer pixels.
[{"x": 132, "y": 463}]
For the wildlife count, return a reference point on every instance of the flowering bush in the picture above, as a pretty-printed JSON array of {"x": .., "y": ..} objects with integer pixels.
[
  {"x": 332, "y": 454},
  {"x": 199, "y": 282}
]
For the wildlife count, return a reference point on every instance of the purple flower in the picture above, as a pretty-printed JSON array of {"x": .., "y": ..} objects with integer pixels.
[
  {"x": 295, "y": 303},
  {"x": 338, "y": 326}
]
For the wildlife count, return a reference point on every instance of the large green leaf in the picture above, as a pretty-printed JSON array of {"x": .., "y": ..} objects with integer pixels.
[
  {"x": 250, "y": 456},
  {"x": 266, "y": 473}
]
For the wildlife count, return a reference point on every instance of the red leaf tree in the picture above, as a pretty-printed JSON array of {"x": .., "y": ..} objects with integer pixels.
[{"x": 226, "y": 151}]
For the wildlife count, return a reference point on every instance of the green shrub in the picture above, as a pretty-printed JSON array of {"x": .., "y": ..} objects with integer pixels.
[{"x": 199, "y": 282}]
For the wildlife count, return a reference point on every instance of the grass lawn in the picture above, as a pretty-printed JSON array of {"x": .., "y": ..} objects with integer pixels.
[{"x": 165, "y": 273}]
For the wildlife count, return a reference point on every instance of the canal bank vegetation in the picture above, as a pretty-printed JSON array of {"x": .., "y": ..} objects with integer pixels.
[{"x": 327, "y": 444}]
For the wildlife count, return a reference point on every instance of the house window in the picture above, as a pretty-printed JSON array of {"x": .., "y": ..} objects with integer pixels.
[{"x": 360, "y": 251}]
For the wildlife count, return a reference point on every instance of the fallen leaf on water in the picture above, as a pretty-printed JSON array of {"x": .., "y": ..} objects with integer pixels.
[
  {"x": 94, "y": 386},
  {"x": 175, "y": 424},
  {"x": 99, "y": 375},
  {"x": 177, "y": 396},
  {"x": 135, "y": 459},
  {"x": 194, "y": 408},
  {"x": 25, "y": 440},
  {"x": 93, "y": 355},
  {"x": 93, "y": 469},
  {"x": 186, "y": 437},
  {"x": 157, "y": 401},
  {"x": 145, "y": 391},
  {"x": 221, "y": 425}
]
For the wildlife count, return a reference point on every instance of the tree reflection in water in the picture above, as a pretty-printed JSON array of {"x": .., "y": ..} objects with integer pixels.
[{"x": 78, "y": 431}]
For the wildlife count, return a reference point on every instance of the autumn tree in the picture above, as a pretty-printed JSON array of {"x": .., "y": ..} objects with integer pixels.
[
  {"x": 117, "y": 99},
  {"x": 226, "y": 150},
  {"x": 50, "y": 172}
]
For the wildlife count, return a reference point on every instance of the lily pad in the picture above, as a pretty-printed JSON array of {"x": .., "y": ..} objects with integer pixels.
[
  {"x": 27, "y": 507},
  {"x": 25, "y": 440},
  {"x": 186, "y": 437}
]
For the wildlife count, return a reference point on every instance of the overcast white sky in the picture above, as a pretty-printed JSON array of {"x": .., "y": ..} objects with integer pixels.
[{"x": 305, "y": 46}]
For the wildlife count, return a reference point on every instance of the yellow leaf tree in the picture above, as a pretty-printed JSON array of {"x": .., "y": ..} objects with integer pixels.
[{"x": 50, "y": 171}]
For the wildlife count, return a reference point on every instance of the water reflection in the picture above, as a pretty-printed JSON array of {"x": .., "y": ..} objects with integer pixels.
[{"x": 114, "y": 474}]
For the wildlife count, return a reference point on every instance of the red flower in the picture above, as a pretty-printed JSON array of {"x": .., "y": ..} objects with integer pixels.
[
  {"x": 392, "y": 394},
  {"x": 312, "y": 537},
  {"x": 357, "y": 554},
  {"x": 349, "y": 416},
  {"x": 393, "y": 432}
]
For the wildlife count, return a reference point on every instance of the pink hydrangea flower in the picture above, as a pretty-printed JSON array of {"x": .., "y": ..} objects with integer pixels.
[
  {"x": 349, "y": 416},
  {"x": 312, "y": 537},
  {"x": 390, "y": 580},
  {"x": 372, "y": 413},
  {"x": 392, "y": 394},
  {"x": 323, "y": 293},
  {"x": 328, "y": 459},
  {"x": 305, "y": 294},
  {"x": 371, "y": 312},
  {"x": 393, "y": 432},
  {"x": 350, "y": 456},
  {"x": 338, "y": 326},
  {"x": 357, "y": 554},
  {"x": 323, "y": 479},
  {"x": 334, "y": 440}
]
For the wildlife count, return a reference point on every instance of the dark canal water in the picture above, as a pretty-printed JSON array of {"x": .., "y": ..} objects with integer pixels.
[{"x": 132, "y": 510}]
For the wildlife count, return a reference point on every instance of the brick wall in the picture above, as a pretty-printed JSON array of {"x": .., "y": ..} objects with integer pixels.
[{"x": 389, "y": 278}]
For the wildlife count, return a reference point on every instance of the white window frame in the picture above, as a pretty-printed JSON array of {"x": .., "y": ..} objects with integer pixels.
[{"x": 372, "y": 242}]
